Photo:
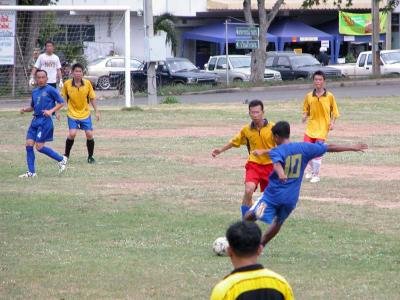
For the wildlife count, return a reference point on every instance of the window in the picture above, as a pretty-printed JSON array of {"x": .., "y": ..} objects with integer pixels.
[
  {"x": 369, "y": 60},
  {"x": 135, "y": 63},
  {"x": 270, "y": 61},
  {"x": 221, "y": 65},
  {"x": 116, "y": 63},
  {"x": 211, "y": 64},
  {"x": 283, "y": 62},
  {"x": 361, "y": 62},
  {"x": 75, "y": 34}
]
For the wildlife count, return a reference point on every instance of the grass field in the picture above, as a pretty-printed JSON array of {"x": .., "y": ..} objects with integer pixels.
[{"x": 140, "y": 223}]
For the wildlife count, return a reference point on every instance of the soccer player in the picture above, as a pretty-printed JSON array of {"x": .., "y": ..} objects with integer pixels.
[
  {"x": 249, "y": 279},
  {"x": 50, "y": 63},
  {"x": 45, "y": 101},
  {"x": 321, "y": 110},
  {"x": 289, "y": 160},
  {"x": 256, "y": 136},
  {"x": 78, "y": 92}
]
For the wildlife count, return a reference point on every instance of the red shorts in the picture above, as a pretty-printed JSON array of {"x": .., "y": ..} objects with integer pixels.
[
  {"x": 312, "y": 140},
  {"x": 258, "y": 174}
]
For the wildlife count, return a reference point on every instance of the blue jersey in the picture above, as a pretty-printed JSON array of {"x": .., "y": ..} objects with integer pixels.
[
  {"x": 294, "y": 158},
  {"x": 44, "y": 98}
]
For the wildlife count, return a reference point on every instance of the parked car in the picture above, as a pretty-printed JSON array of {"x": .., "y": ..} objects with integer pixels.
[
  {"x": 239, "y": 68},
  {"x": 298, "y": 66},
  {"x": 390, "y": 64},
  {"x": 172, "y": 71},
  {"x": 98, "y": 70}
]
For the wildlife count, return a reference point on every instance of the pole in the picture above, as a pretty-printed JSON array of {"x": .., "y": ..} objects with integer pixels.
[
  {"x": 128, "y": 58},
  {"x": 388, "y": 43},
  {"x": 376, "y": 68},
  {"x": 226, "y": 52},
  {"x": 14, "y": 71},
  {"x": 151, "y": 66}
]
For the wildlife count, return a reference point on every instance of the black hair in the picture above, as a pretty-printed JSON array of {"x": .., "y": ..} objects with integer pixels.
[
  {"x": 40, "y": 70},
  {"x": 48, "y": 42},
  {"x": 256, "y": 102},
  {"x": 244, "y": 238},
  {"x": 320, "y": 73},
  {"x": 281, "y": 129},
  {"x": 77, "y": 65}
]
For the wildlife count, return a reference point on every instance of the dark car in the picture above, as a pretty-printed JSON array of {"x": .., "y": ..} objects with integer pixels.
[
  {"x": 297, "y": 66},
  {"x": 169, "y": 72}
]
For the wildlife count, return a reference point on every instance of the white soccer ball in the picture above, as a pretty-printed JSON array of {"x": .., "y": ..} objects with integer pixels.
[{"x": 220, "y": 246}]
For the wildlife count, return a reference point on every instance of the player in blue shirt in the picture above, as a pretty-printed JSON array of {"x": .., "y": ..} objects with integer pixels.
[
  {"x": 289, "y": 160},
  {"x": 45, "y": 101}
]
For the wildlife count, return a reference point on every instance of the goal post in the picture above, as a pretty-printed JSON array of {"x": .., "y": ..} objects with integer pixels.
[{"x": 78, "y": 32}]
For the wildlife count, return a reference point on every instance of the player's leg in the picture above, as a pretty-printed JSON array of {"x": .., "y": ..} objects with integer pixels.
[
  {"x": 247, "y": 201},
  {"x": 278, "y": 214},
  {"x": 309, "y": 169},
  {"x": 316, "y": 166},
  {"x": 88, "y": 127},
  {"x": 271, "y": 232},
  {"x": 45, "y": 134},
  {"x": 70, "y": 141},
  {"x": 30, "y": 159}
]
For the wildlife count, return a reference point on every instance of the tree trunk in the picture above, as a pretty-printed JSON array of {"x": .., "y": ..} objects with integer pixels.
[{"x": 259, "y": 56}]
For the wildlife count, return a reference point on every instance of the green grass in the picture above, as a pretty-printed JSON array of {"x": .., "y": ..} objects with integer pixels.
[{"x": 140, "y": 223}]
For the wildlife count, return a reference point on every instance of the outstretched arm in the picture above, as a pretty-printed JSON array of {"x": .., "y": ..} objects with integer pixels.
[
  {"x": 259, "y": 152},
  {"x": 343, "y": 148},
  {"x": 218, "y": 151}
]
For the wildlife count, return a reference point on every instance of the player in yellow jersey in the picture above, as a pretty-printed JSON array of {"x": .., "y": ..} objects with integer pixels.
[
  {"x": 78, "y": 93},
  {"x": 258, "y": 138},
  {"x": 249, "y": 280},
  {"x": 320, "y": 112}
]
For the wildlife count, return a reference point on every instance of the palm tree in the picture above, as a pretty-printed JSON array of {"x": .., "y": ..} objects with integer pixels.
[{"x": 166, "y": 23}]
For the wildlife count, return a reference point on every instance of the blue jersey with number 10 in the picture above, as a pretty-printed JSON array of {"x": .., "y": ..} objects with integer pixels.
[{"x": 294, "y": 158}]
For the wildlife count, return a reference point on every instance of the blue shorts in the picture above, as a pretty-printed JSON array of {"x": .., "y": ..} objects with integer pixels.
[
  {"x": 85, "y": 124},
  {"x": 266, "y": 212},
  {"x": 41, "y": 130}
]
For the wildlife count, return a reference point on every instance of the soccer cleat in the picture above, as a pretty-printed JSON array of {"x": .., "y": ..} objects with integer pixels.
[
  {"x": 91, "y": 160},
  {"x": 27, "y": 175},
  {"x": 308, "y": 175},
  {"x": 315, "y": 179},
  {"x": 62, "y": 165}
]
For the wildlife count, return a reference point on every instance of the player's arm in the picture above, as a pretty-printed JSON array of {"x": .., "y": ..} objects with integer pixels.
[
  {"x": 92, "y": 97},
  {"x": 60, "y": 78},
  {"x": 342, "y": 148},
  {"x": 306, "y": 110},
  {"x": 260, "y": 152},
  {"x": 26, "y": 109},
  {"x": 280, "y": 172},
  {"x": 334, "y": 113},
  {"x": 218, "y": 151}
]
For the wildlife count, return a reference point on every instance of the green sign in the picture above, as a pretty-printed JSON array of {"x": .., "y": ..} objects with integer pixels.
[
  {"x": 247, "y": 44},
  {"x": 359, "y": 24},
  {"x": 247, "y": 31}
]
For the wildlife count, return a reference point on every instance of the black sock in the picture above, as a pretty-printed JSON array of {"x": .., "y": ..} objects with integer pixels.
[
  {"x": 90, "y": 147},
  {"x": 68, "y": 146}
]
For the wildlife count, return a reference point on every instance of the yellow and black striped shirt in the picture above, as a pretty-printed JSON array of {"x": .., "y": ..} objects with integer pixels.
[{"x": 252, "y": 282}]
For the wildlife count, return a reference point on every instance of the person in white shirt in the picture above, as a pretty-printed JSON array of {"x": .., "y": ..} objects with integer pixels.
[{"x": 49, "y": 62}]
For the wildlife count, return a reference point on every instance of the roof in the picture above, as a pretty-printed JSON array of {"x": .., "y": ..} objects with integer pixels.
[
  {"x": 289, "y": 5},
  {"x": 215, "y": 33},
  {"x": 288, "y": 30}
]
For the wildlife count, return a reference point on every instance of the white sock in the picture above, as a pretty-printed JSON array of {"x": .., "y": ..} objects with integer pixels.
[{"x": 316, "y": 166}]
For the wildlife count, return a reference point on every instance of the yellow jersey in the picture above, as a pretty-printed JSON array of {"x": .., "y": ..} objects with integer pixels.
[
  {"x": 256, "y": 139},
  {"x": 78, "y": 98},
  {"x": 320, "y": 111},
  {"x": 252, "y": 282}
]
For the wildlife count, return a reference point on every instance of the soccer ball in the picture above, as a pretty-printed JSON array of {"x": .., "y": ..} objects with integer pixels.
[{"x": 220, "y": 246}]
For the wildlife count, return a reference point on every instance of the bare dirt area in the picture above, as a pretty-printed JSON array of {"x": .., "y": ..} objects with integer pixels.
[{"x": 375, "y": 173}]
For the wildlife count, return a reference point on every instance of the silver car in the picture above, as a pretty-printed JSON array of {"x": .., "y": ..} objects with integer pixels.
[
  {"x": 239, "y": 68},
  {"x": 98, "y": 70}
]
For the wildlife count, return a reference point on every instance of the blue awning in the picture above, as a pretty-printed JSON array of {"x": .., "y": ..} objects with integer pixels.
[
  {"x": 215, "y": 33},
  {"x": 292, "y": 31}
]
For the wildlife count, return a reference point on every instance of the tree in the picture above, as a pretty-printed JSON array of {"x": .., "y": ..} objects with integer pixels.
[
  {"x": 258, "y": 56},
  {"x": 166, "y": 23}
]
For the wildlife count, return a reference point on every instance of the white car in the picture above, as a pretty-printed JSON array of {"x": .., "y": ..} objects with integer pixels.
[
  {"x": 239, "y": 68},
  {"x": 389, "y": 62},
  {"x": 98, "y": 70}
]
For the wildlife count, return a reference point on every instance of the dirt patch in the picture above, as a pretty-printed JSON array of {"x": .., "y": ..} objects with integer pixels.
[
  {"x": 353, "y": 201},
  {"x": 124, "y": 187},
  {"x": 163, "y": 133},
  {"x": 375, "y": 173}
]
